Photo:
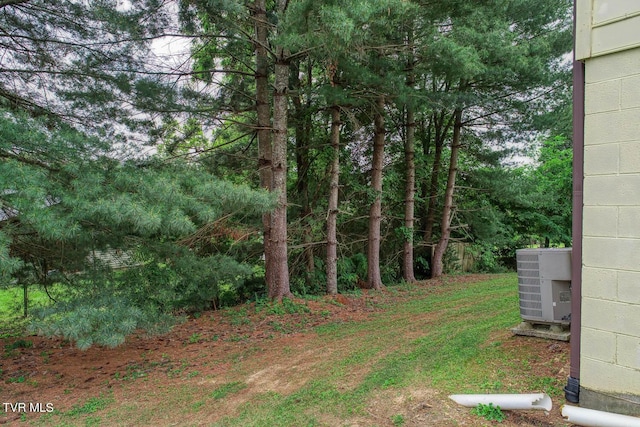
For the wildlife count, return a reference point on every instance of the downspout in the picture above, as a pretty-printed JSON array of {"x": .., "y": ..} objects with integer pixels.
[
  {"x": 590, "y": 418},
  {"x": 572, "y": 389},
  {"x": 507, "y": 402}
]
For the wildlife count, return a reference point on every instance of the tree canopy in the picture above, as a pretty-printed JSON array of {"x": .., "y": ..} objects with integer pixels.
[{"x": 302, "y": 146}]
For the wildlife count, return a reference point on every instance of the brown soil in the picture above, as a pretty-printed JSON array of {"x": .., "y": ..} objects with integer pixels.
[{"x": 266, "y": 352}]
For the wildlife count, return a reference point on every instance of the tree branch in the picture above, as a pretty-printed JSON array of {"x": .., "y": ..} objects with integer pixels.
[
  {"x": 28, "y": 161},
  {"x": 4, "y": 3}
]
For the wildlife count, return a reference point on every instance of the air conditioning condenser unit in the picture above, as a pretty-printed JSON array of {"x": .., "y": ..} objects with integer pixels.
[{"x": 544, "y": 286}]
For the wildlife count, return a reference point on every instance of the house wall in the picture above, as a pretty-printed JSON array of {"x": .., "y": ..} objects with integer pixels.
[
  {"x": 608, "y": 40},
  {"x": 606, "y": 26}
]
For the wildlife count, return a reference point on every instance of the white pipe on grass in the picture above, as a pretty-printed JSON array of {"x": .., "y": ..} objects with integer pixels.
[
  {"x": 592, "y": 418},
  {"x": 506, "y": 401}
]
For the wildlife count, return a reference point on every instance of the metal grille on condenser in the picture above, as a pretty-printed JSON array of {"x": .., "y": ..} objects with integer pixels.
[{"x": 529, "y": 285}]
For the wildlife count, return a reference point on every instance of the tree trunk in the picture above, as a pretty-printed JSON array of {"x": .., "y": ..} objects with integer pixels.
[
  {"x": 264, "y": 125},
  {"x": 278, "y": 246},
  {"x": 409, "y": 203},
  {"x": 410, "y": 184},
  {"x": 332, "y": 213},
  {"x": 441, "y": 129},
  {"x": 303, "y": 124},
  {"x": 374, "y": 278},
  {"x": 447, "y": 211}
]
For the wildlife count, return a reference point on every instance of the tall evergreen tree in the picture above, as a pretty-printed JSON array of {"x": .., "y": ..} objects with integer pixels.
[
  {"x": 75, "y": 78},
  {"x": 410, "y": 165},
  {"x": 332, "y": 209},
  {"x": 242, "y": 39},
  {"x": 66, "y": 199},
  {"x": 278, "y": 246},
  {"x": 506, "y": 56},
  {"x": 263, "y": 123}
]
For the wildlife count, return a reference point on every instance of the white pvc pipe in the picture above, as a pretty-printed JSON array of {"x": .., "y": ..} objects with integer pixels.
[
  {"x": 506, "y": 401},
  {"x": 592, "y": 418}
]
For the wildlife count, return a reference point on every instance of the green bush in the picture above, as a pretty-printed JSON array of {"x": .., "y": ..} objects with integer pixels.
[
  {"x": 486, "y": 259},
  {"x": 350, "y": 270}
]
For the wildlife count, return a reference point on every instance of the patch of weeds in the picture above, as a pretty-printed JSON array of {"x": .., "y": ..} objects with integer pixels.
[
  {"x": 491, "y": 385},
  {"x": 302, "y": 323},
  {"x": 19, "y": 344},
  {"x": 293, "y": 307},
  {"x": 269, "y": 307},
  {"x": 45, "y": 356},
  {"x": 286, "y": 306},
  {"x": 357, "y": 292},
  {"x": 489, "y": 412},
  {"x": 11, "y": 334},
  {"x": 19, "y": 379},
  {"x": 239, "y": 321},
  {"x": 134, "y": 372},
  {"x": 227, "y": 389},
  {"x": 405, "y": 286},
  {"x": 47, "y": 418},
  {"x": 335, "y": 302},
  {"x": 279, "y": 327},
  {"x": 194, "y": 338},
  {"x": 237, "y": 338},
  {"x": 92, "y": 421},
  {"x": 238, "y": 317},
  {"x": 551, "y": 386},
  {"x": 325, "y": 313},
  {"x": 329, "y": 329},
  {"x": 392, "y": 291},
  {"x": 193, "y": 374},
  {"x": 389, "y": 382},
  {"x": 92, "y": 405},
  {"x": 195, "y": 407},
  {"x": 374, "y": 305},
  {"x": 397, "y": 420},
  {"x": 175, "y": 372}
]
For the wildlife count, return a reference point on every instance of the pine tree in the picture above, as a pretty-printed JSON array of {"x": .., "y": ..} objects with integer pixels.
[
  {"x": 501, "y": 58},
  {"x": 76, "y": 92},
  {"x": 241, "y": 38},
  {"x": 64, "y": 201}
]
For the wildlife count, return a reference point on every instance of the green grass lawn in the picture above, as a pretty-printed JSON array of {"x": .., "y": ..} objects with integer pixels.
[
  {"x": 451, "y": 355},
  {"x": 449, "y": 338},
  {"x": 12, "y": 319}
]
